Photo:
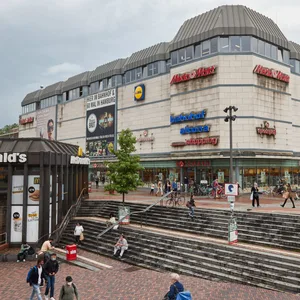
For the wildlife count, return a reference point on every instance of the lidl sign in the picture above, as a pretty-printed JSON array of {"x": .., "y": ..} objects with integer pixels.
[{"x": 139, "y": 92}]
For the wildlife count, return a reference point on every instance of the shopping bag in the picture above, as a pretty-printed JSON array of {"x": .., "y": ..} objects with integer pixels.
[
  {"x": 81, "y": 237},
  {"x": 251, "y": 196}
]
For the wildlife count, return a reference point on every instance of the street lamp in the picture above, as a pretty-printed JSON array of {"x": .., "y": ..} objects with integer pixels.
[{"x": 230, "y": 118}]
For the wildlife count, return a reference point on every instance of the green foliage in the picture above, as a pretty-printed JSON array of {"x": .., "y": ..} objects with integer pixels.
[
  {"x": 8, "y": 128},
  {"x": 124, "y": 173}
]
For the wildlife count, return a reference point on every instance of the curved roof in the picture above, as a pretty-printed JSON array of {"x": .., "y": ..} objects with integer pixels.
[
  {"x": 295, "y": 50},
  {"x": 76, "y": 81},
  {"x": 31, "y": 98},
  {"x": 147, "y": 56},
  {"x": 107, "y": 70},
  {"x": 228, "y": 20},
  {"x": 51, "y": 90}
]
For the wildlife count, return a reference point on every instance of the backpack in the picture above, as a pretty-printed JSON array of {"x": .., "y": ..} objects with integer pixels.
[
  {"x": 74, "y": 287},
  {"x": 28, "y": 278},
  {"x": 185, "y": 295}
]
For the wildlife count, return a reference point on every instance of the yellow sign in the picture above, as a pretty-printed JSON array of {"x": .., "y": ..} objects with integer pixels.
[
  {"x": 80, "y": 152},
  {"x": 139, "y": 92}
]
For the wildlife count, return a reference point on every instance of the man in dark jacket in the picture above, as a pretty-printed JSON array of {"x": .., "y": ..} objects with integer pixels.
[
  {"x": 50, "y": 268},
  {"x": 36, "y": 279},
  {"x": 175, "y": 288}
]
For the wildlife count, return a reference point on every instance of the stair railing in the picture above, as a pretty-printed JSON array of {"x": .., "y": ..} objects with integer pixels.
[
  {"x": 69, "y": 215},
  {"x": 140, "y": 212}
]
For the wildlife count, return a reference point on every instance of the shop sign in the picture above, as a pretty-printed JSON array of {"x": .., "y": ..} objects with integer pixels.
[
  {"x": 75, "y": 160},
  {"x": 213, "y": 140},
  {"x": 13, "y": 158},
  {"x": 101, "y": 99},
  {"x": 189, "y": 117},
  {"x": 99, "y": 166},
  {"x": 145, "y": 137},
  {"x": 26, "y": 120},
  {"x": 265, "y": 129},
  {"x": 193, "y": 163},
  {"x": 139, "y": 92},
  {"x": 198, "y": 73},
  {"x": 271, "y": 73},
  {"x": 196, "y": 129}
]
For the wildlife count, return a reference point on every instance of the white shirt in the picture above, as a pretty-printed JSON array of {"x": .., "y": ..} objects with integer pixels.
[
  {"x": 40, "y": 270},
  {"x": 123, "y": 243},
  {"x": 78, "y": 230}
]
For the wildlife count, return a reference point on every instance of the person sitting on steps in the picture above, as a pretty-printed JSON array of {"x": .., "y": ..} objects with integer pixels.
[
  {"x": 121, "y": 245},
  {"x": 112, "y": 220},
  {"x": 23, "y": 252}
]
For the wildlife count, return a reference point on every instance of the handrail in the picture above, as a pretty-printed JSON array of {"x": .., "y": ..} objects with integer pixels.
[
  {"x": 5, "y": 238},
  {"x": 65, "y": 220},
  {"x": 130, "y": 214}
]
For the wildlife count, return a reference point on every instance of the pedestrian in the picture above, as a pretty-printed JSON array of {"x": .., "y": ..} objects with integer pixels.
[
  {"x": 288, "y": 195},
  {"x": 191, "y": 205},
  {"x": 254, "y": 195},
  {"x": 216, "y": 188},
  {"x": 103, "y": 180},
  {"x": 97, "y": 181},
  {"x": 78, "y": 233},
  {"x": 152, "y": 189},
  {"x": 186, "y": 184},
  {"x": 35, "y": 279},
  {"x": 46, "y": 247},
  {"x": 51, "y": 268},
  {"x": 175, "y": 287},
  {"x": 112, "y": 220},
  {"x": 23, "y": 252},
  {"x": 159, "y": 188},
  {"x": 121, "y": 245},
  {"x": 68, "y": 290}
]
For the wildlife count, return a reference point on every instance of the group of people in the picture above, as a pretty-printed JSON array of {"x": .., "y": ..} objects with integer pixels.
[
  {"x": 168, "y": 187},
  {"x": 46, "y": 270},
  {"x": 97, "y": 179}
]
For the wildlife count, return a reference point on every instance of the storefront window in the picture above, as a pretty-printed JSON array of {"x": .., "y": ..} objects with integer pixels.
[
  {"x": 263, "y": 177},
  {"x": 249, "y": 177},
  {"x": 287, "y": 175},
  {"x": 274, "y": 176}
]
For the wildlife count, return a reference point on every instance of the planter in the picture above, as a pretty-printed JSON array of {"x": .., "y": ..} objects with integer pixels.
[{"x": 111, "y": 192}]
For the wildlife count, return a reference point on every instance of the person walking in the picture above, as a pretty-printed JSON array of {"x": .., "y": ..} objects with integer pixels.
[
  {"x": 152, "y": 189},
  {"x": 23, "y": 252},
  {"x": 121, "y": 245},
  {"x": 175, "y": 287},
  {"x": 159, "y": 188},
  {"x": 69, "y": 290},
  {"x": 78, "y": 231},
  {"x": 254, "y": 195},
  {"x": 97, "y": 181},
  {"x": 191, "y": 205},
  {"x": 35, "y": 279},
  {"x": 186, "y": 184},
  {"x": 50, "y": 268},
  {"x": 288, "y": 195}
]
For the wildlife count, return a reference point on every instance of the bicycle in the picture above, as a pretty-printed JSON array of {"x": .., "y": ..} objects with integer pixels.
[
  {"x": 220, "y": 193},
  {"x": 176, "y": 199}
]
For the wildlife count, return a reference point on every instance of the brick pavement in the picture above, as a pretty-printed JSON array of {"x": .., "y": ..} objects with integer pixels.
[{"x": 119, "y": 284}]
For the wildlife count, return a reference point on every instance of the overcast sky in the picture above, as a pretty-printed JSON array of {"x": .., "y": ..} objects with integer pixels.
[{"x": 43, "y": 42}]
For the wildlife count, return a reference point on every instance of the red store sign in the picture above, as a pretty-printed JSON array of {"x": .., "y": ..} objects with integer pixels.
[
  {"x": 201, "y": 72},
  {"x": 193, "y": 163},
  {"x": 271, "y": 73},
  {"x": 265, "y": 129},
  {"x": 26, "y": 121}
]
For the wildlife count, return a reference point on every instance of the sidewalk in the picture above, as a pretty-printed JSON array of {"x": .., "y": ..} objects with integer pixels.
[{"x": 269, "y": 204}]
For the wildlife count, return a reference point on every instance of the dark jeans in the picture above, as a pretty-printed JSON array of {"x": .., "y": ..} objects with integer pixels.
[
  {"x": 22, "y": 255},
  {"x": 286, "y": 200},
  {"x": 255, "y": 198},
  {"x": 50, "y": 285},
  {"x": 77, "y": 239}
]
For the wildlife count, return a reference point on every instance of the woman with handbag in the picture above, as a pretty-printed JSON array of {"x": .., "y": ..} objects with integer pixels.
[
  {"x": 288, "y": 194},
  {"x": 254, "y": 195},
  {"x": 78, "y": 233}
]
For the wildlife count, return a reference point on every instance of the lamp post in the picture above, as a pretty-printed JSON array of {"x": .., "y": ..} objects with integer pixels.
[{"x": 230, "y": 118}]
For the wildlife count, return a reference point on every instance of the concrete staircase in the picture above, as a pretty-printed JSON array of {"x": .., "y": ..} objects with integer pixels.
[
  {"x": 274, "y": 230},
  {"x": 191, "y": 256}
]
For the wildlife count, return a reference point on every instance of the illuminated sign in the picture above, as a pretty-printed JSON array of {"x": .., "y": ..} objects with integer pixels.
[
  {"x": 196, "y": 129},
  {"x": 198, "y": 73},
  {"x": 26, "y": 121},
  {"x": 265, "y": 129},
  {"x": 193, "y": 163},
  {"x": 189, "y": 117},
  {"x": 139, "y": 92},
  {"x": 75, "y": 160},
  {"x": 271, "y": 73},
  {"x": 209, "y": 140}
]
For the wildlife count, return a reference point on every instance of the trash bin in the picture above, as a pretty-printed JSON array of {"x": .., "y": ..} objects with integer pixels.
[{"x": 71, "y": 252}]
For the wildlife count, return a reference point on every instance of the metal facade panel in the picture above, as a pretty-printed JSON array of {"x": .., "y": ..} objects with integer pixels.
[
  {"x": 76, "y": 81},
  {"x": 51, "y": 90},
  {"x": 29, "y": 98},
  {"x": 295, "y": 50}
]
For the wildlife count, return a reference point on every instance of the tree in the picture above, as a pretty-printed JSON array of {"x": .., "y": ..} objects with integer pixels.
[{"x": 124, "y": 173}]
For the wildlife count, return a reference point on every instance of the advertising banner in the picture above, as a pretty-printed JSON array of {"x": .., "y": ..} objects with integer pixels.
[
  {"x": 221, "y": 177},
  {"x": 32, "y": 233},
  {"x": 124, "y": 211},
  {"x": 100, "y": 123},
  {"x": 17, "y": 189},
  {"x": 232, "y": 231},
  {"x": 33, "y": 189},
  {"x": 16, "y": 224},
  {"x": 46, "y": 122}
]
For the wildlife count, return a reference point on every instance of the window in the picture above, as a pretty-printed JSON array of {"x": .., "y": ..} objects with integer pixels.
[
  {"x": 214, "y": 45},
  {"x": 85, "y": 91},
  {"x": 101, "y": 85},
  {"x": 109, "y": 82},
  {"x": 279, "y": 52},
  {"x": 297, "y": 66},
  {"x": 274, "y": 52},
  {"x": 67, "y": 96},
  {"x": 286, "y": 56},
  {"x": 198, "y": 51},
  {"x": 254, "y": 45},
  {"x": 152, "y": 69},
  {"x": 224, "y": 44},
  {"x": 104, "y": 81},
  {"x": 235, "y": 44},
  {"x": 138, "y": 73},
  {"x": 261, "y": 47},
  {"x": 59, "y": 99},
  {"x": 205, "y": 48},
  {"x": 174, "y": 59},
  {"x": 80, "y": 91},
  {"x": 127, "y": 77},
  {"x": 246, "y": 43},
  {"x": 189, "y": 53},
  {"x": 268, "y": 50},
  {"x": 181, "y": 54},
  {"x": 94, "y": 87},
  {"x": 168, "y": 65}
]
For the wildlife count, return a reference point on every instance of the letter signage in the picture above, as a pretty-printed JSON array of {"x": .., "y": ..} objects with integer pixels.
[
  {"x": 189, "y": 117},
  {"x": 265, "y": 129},
  {"x": 196, "y": 129},
  {"x": 13, "y": 158},
  {"x": 271, "y": 73},
  {"x": 212, "y": 140},
  {"x": 75, "y": 160},
  {"x": 26, "y": 121}
]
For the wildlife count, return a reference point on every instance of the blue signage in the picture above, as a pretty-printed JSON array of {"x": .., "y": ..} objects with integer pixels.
[
  {"x": 189, "y": 117},
  {"x": 196, "y": 129}
]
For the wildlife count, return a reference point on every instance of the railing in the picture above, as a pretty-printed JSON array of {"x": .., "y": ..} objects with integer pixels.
[
  {"x": 5, "y": 238},
  {"x": 69, "y": 215},
  {"x": 133, "y": 213}
]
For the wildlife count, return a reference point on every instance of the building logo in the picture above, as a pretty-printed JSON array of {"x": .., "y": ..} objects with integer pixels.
[
  {"x": 189, "y": 117},
  {"x": 76, "y": 160},
  {"x": 13, "y": 158},
  {"x": 271, "y": 73},
  {"x": 209, "y": 140},
  {"x": 196, "y": 129},
  {"x": 26, "y": 121},
  {"x": 92, "y": 123},
  {"x": 193, "y": 163},
  {"x": 201, "y": 72},
  {"x": 145, "y": 138},
  {"x": 265, "y": 129},
  {"x": 139, "y": 92}
]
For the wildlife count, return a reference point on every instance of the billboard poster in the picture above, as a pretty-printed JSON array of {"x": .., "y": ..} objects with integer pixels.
[
  {"x": 100, "y": 123},
  {"x": 33, "y": 189},
  {"x": 17, "y": 189},
  {"x": 32, "y": 233},
  {"x": 221, "y": 177},
  {"x": 16, "y": 224},
  {"x": 46, "y": 122}
]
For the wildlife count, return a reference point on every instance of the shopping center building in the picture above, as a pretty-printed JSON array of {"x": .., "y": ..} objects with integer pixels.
[{"x": 172, "y": 96}]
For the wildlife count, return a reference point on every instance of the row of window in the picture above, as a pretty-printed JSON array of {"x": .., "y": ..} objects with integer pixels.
[
  {"x": 49, "y": 102},
  {"x": 75, "y": 93},
  {"x": 230, "y": 44},
  {"x": 101, "y": 85},
  {"x": 295, "y": 66},
  {"x": 28, "y": 108}
]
